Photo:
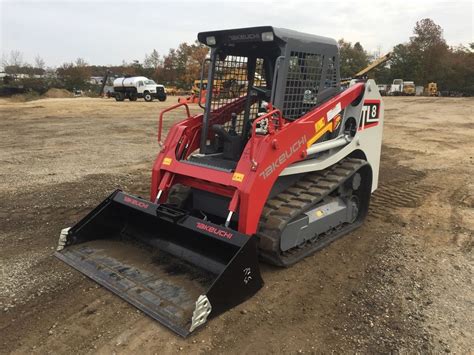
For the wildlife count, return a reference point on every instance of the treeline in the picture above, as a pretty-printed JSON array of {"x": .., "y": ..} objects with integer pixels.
[
  {"x": 426, "y": 57},
  {"x": 180, "y": 67}
]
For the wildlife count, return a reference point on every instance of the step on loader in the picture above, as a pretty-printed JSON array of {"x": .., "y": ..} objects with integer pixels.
[{"x": 274, "y": 171}]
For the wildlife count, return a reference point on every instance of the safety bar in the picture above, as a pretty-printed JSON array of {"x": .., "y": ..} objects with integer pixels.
[
  {"x": 271, "y": 130},
  {"x": 200, "y": 83},
  {"x": 160, "y": 121}
]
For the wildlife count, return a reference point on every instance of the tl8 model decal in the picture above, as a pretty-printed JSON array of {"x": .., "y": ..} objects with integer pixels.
[{"x": 370, "y": 114}]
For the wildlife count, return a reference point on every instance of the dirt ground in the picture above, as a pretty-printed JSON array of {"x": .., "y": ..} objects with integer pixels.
[{"x": 402, "y": 282}]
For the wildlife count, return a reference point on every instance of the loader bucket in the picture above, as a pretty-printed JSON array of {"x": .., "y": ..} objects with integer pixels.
[{"x": 178, "y": 269}]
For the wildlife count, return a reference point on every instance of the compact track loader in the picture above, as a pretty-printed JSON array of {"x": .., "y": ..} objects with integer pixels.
[{"x": 276, "y": 171}]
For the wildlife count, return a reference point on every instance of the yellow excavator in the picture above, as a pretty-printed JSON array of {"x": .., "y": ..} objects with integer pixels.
[{"x": 363, "y": 73}]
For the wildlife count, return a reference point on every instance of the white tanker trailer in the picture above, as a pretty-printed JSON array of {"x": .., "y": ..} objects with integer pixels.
[{"x": 138, "y": 86}]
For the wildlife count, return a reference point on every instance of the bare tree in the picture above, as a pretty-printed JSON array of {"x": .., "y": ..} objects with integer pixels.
[
  {"x": 4, "y": 62},
  {"x": 152, "y": 60},
  {"x": 15, "y": 58},
  {"x": 80, "y": 62},
  {"x": 39, "y": 62},
  {"x": 13, "y": 62}
]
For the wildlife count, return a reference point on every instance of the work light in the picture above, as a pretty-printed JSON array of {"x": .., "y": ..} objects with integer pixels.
[
  {"x": 211, "y": 40},
  {"x": 267, "y": 36}
]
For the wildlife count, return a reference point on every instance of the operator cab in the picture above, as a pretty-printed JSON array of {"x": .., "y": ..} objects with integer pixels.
[{"x": 251, "y": 68}]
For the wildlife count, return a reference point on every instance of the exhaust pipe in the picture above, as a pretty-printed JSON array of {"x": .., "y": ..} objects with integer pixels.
[{"x": 176, "y": 268}]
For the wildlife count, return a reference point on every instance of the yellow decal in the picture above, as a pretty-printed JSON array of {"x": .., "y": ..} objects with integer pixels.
[
  {"x": 320, "y": 128},
  {"x": 319, "y": 213},
  {"x": 319, "y": 124},
  {"x": 336, "y": 121},
  {"x": 167, "y": 161},
  {"x": 238, "y": 177}
]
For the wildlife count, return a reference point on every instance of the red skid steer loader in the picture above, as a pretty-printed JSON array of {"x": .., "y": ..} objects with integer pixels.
[{"x": 277, "y": 171}]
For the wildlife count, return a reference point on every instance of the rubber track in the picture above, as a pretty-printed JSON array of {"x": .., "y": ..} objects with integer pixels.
[{"x": 297, "y": 199}]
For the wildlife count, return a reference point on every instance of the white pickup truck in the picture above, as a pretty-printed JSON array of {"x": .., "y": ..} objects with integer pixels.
[{"x": 136, "y": 87}]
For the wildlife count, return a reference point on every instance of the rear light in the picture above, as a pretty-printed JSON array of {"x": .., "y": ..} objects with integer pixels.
[
  {"x": 211, "y": 41},
  {"x": 267, "y": 36}
]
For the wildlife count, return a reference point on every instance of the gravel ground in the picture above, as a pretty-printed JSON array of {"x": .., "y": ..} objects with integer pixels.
[{"x": 400, "y": 283}]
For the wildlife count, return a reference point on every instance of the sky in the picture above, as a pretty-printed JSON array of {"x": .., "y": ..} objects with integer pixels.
[{"x": 109, "y": 32}]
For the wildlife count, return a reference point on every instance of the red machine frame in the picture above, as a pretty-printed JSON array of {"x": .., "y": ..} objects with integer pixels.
[{"x": 263, "y": 159}]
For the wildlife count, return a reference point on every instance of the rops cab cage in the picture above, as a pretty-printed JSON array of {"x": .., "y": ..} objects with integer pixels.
[{"x": 292, "y": 70}]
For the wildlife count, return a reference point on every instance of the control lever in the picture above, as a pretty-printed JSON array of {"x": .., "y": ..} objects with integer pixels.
[
  {"x": 233, "y": 124},
  {"x": 221, "y": 132}
]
